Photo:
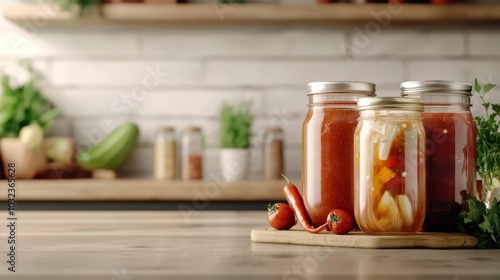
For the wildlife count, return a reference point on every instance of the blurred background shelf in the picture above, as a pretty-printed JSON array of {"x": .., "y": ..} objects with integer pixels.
[
  {"x": 144, "y": 190},
  {"x": 303, "y": 13}
]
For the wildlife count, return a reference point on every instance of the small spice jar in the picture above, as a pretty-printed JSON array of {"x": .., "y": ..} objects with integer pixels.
[
  {"x": 327, "y": 147},
  {"x": 273, "y": 153},
  {"x": 389, "y": 165},
  {"x": 192, "y": 154},
  {"x": 165, "y": 154},
  {"x": 451, "y": 148}
]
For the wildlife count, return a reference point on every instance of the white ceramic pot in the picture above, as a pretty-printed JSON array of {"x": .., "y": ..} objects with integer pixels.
[{"x": 234, "y": 164}]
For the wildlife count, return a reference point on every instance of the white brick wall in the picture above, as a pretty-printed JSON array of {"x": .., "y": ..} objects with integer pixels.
[
  {"x": 179, "y": 75},
  {"x": 402, "y": 43}
]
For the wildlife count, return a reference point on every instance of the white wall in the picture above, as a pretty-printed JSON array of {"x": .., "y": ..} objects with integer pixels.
[{"x": 94, "y": 69}]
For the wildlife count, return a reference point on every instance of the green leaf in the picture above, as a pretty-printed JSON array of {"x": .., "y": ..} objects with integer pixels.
[
  {"x": 236, "y": 125},
  {"x": 22, "y": 106},
  {"x": 486, "y": 106},
  {"x": 496, "y": 108},
  {"x": 477, "y": 209},
  {"x": 477, "y": 86},
  {"x": 488, "y": 87}
]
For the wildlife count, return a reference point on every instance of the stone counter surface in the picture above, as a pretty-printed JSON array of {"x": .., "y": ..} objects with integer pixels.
[{"x": 206, "y": 245}]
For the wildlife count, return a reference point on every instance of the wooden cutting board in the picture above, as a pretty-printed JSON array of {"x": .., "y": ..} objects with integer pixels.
[{"x": 360, "y": 240}]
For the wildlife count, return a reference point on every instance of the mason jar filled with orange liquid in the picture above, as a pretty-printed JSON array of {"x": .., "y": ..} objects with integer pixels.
[{"x": 327, "y": 147}]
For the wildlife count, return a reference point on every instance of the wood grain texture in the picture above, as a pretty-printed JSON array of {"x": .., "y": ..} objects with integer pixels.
[
  {"x": 360, "y": 240},
  {"x": 209, "y": 245},
  {"x": 144, "y": 190},
  {"x": 338, "y": 12}
]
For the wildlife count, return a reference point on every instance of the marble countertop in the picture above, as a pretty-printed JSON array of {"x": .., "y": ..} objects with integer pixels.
[{"x": 206, "y": 245}]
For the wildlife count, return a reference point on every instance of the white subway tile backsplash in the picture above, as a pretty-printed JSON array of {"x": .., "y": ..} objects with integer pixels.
[
  {"x": 202, "y": 103},
  {"x": 407, "y": 43},
  {"x": 287, "y": 101},
  {"x": 243, "y": 42},
  {"x": 463, "y": 69},
  {"x": 78, "y": 44},
  {"x": 88, "y": 102},
  {"x": 299, "y": 73},
  {"x": 171, "y": 102},
  {"x": 484, "y": 43},
  {"x": 136, "y": 74}
]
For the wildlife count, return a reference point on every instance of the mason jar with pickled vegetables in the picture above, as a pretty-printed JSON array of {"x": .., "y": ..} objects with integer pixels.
[
  {"x": 327, "y": 147},
  {"x": 451, "y": 148},
  {"x": 389, "y": 165}
]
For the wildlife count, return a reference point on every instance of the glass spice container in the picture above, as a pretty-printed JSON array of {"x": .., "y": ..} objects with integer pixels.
[
  {"x": 327, "y": 147},
  {"x": 451, "y": 148},
  {"x": 165, "y": 154},
  {"x": 192, "y": 154},
  {"x": 273, "y": 153},
  {"x": 389, "y": 165}
]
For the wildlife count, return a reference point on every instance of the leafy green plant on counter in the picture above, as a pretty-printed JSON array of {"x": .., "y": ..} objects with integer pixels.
[
  {"x": 482, "y": 222},
  {"x": 236, "y": 125},
  {"x": 22, "y": 103},
  {"x": 488, "y": 137}
]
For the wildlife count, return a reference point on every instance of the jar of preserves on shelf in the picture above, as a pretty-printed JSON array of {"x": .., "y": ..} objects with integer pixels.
[
  {"x": 165, "y": 154},
  {"x": 192, "y": 154},
  {"x": 327, "y": 147},
  {"x": 273, "y": 153},
  {"x": 389, "y": 165},
  {"x": 451, "y": 148}
]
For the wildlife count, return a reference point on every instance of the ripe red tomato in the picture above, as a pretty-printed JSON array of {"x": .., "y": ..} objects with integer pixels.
[
  {"x": 340, "y": 222},
  {"x": 280, "y": 216}
]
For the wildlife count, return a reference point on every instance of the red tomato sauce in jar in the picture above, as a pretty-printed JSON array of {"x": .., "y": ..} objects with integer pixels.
[
  {"x": 327, "y": 147},
  {"x": 451, "y": 159},
  {"x": 450, "y": 148}
]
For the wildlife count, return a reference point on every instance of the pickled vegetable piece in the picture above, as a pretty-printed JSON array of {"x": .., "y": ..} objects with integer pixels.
[
  {"x": 385, "y": 175},
  {"x": 390, "y": 220},
  {"x": 405, "y": 210}
]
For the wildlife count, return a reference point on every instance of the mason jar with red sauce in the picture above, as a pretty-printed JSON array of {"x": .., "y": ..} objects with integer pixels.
[
  {"x": 327, "y": 147},
  {"x": 450, "y": 148}
]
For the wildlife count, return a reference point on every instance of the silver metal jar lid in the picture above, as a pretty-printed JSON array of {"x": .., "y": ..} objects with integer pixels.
[
  {"x": 364, "y": 88},
  {"x": 390, "y": 103},
  {"x": 435, "y": 87}
]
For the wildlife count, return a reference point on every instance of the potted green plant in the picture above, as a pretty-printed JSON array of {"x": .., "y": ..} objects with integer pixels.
[
  {"x": 235, "y": 130},
  {"x": 488, "y": 143},
  {"x": 25, "y": 116}
]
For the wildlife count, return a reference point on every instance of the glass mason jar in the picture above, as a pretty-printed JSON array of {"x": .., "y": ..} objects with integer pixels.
[
  {"x": 451, "y": 148},
  {"x": 273, "y": 153},
  {"x": 165, "y": 154},
  {"x": 192, "y": 154},
  {"x": 327, "y": 147},
  {"x": 389, "y": 165}
]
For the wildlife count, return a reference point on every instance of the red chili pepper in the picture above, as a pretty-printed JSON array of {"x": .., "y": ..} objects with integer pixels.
[{"x": 295, "y": 201}]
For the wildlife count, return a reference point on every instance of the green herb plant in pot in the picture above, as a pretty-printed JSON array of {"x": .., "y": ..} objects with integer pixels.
[
  {"x": 25, "y": 116},
  {"x": 488, "y": 143},
  {"x": 236, "y": 125}
]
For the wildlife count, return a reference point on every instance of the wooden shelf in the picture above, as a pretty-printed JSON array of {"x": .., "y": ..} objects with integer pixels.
[
  {"x": 144, "y": 190},
  {"x": 303, "y": 13}
]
